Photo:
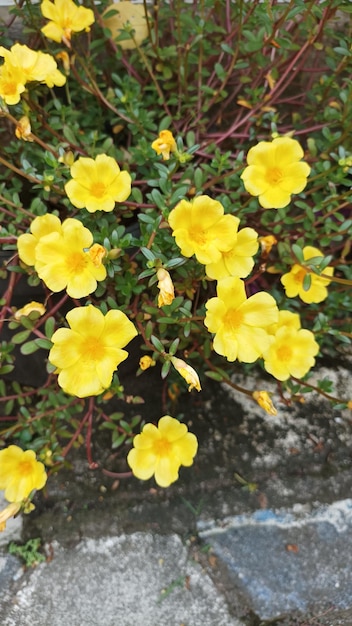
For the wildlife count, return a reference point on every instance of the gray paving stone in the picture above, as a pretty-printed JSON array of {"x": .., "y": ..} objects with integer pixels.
[
  {"x": 287, "y": 561},
  {"x": 131, "y": 580}
]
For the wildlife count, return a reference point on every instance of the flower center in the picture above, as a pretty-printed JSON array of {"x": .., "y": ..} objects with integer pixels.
[
  {"x": 284, "y": 353},
  {"x": 10, "y": 88},
  {"x": 274, "y": 176},
  {"x": 25, "y": 468},
  {"x": 198, "y": 236},
  {"x": 233, "y": 319},
  {"x": 162, "y": 447},
  {"x": 299, "y": 276},
  {"x": 77, "y": 262},
  {"x": 98, "y": 189},
  {"x": 92, "y": 349}
]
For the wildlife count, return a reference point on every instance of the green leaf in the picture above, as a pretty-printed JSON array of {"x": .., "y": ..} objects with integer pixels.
[
  {"x": 165, "y": 369},
  {"x": 174, "y": 346},
  {"x": 21, "y": 337},
  {"x": 46, "y": 344},
  {"x": 213, "y": 375},
  {"x": 148, "y": 254},
  {"x": 157, "y": 343},
  {"x": 158, "y": 198},
  {"x": 49, "y": 327},
  {"x": 298, "y": 252},
  {"x": 29, "y": 347},
  {"x": 307, "y": 282}
]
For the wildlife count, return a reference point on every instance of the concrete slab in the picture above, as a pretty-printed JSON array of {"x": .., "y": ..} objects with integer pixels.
[
  {"x": 288, "y": 560},
  {"x": 131, "y": 580}
]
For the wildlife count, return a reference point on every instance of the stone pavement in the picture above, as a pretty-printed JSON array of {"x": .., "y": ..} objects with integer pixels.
[{"x": 258, "y": 531}]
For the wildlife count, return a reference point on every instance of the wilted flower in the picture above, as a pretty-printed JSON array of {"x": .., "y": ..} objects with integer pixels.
[
  {"x": 97, "y": 253},
  {"x": 97, "y": 184},
  {"x": 165, "y": 284},
  {"x": 65, "y": 18},
  {"x": 275, "y": 171},
  {"x": 64, "y": 57},
  {"x": 20, "y": 473},
  {"x": 293, "y": 281},
  {"x": 23, "y": 129},
  {"x": 264, "y": 401},
  {"x": 240, "y": 323},
  {"x": 239, "y": 260},
  {"x": 161, "y": 450},
  {"x": 87, "y": 354},
  {"x": 291, "y": 353},
  {"x": 201, "y": 228},
  {"x": 145, "y": 362},
  {"x": 9, "y": 511},
  {"x": 267, "y": 243},
  {"x": 164, "y": 144},
  {"x": 29, "y": 308},
  {"x": 63, "y": 261},
  {"x": 187, "y": 372}
]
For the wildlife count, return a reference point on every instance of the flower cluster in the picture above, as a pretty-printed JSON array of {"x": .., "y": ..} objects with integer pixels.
[
  {"x": 201, "y": 278},
  {"x": 63, "y": 255},
  {"x": 20, "y": 475},
  {"x": 22, "y": 66}
]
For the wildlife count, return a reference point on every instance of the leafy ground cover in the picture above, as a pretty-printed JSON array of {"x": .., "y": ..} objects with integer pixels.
[{"x": 180, "y": 173}]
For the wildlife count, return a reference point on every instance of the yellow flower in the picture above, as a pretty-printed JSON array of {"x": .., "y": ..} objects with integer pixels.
[
  {"x": 201, "y": 228},
  {"x": 286, "y": 318},
  {"x": 239, "y": 322},
  {"x": 187, "y": 372},
  {"x": 167, "y": 292},
  {"x": 97, "y": 184},
  {"x": 12, "y": 84},
  {"x": 164, "y": 144},
  {"x": 32, "y": 66},
  {"x": 145, "y": 362},
  {"x": 239, "y": 260},
  {"x": 29, "y": 308},
  {"x": 275, "y": 171},
  {"x": 41, "y": 226},
  {"x": 161, "y": 450},
  {"x": 65, "y": 18},
  {"x": 9, "y": 511},
  {"x": 293, "y": 280},
  {"x": 291, "y": 353},
  {"x": 62, "y": 261},
  {"x": 264, "y": 401},
  {"x": 20, "y": 473},
  {"x": 23, "y": 129},
  {"x": 88, "y": 353}
]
